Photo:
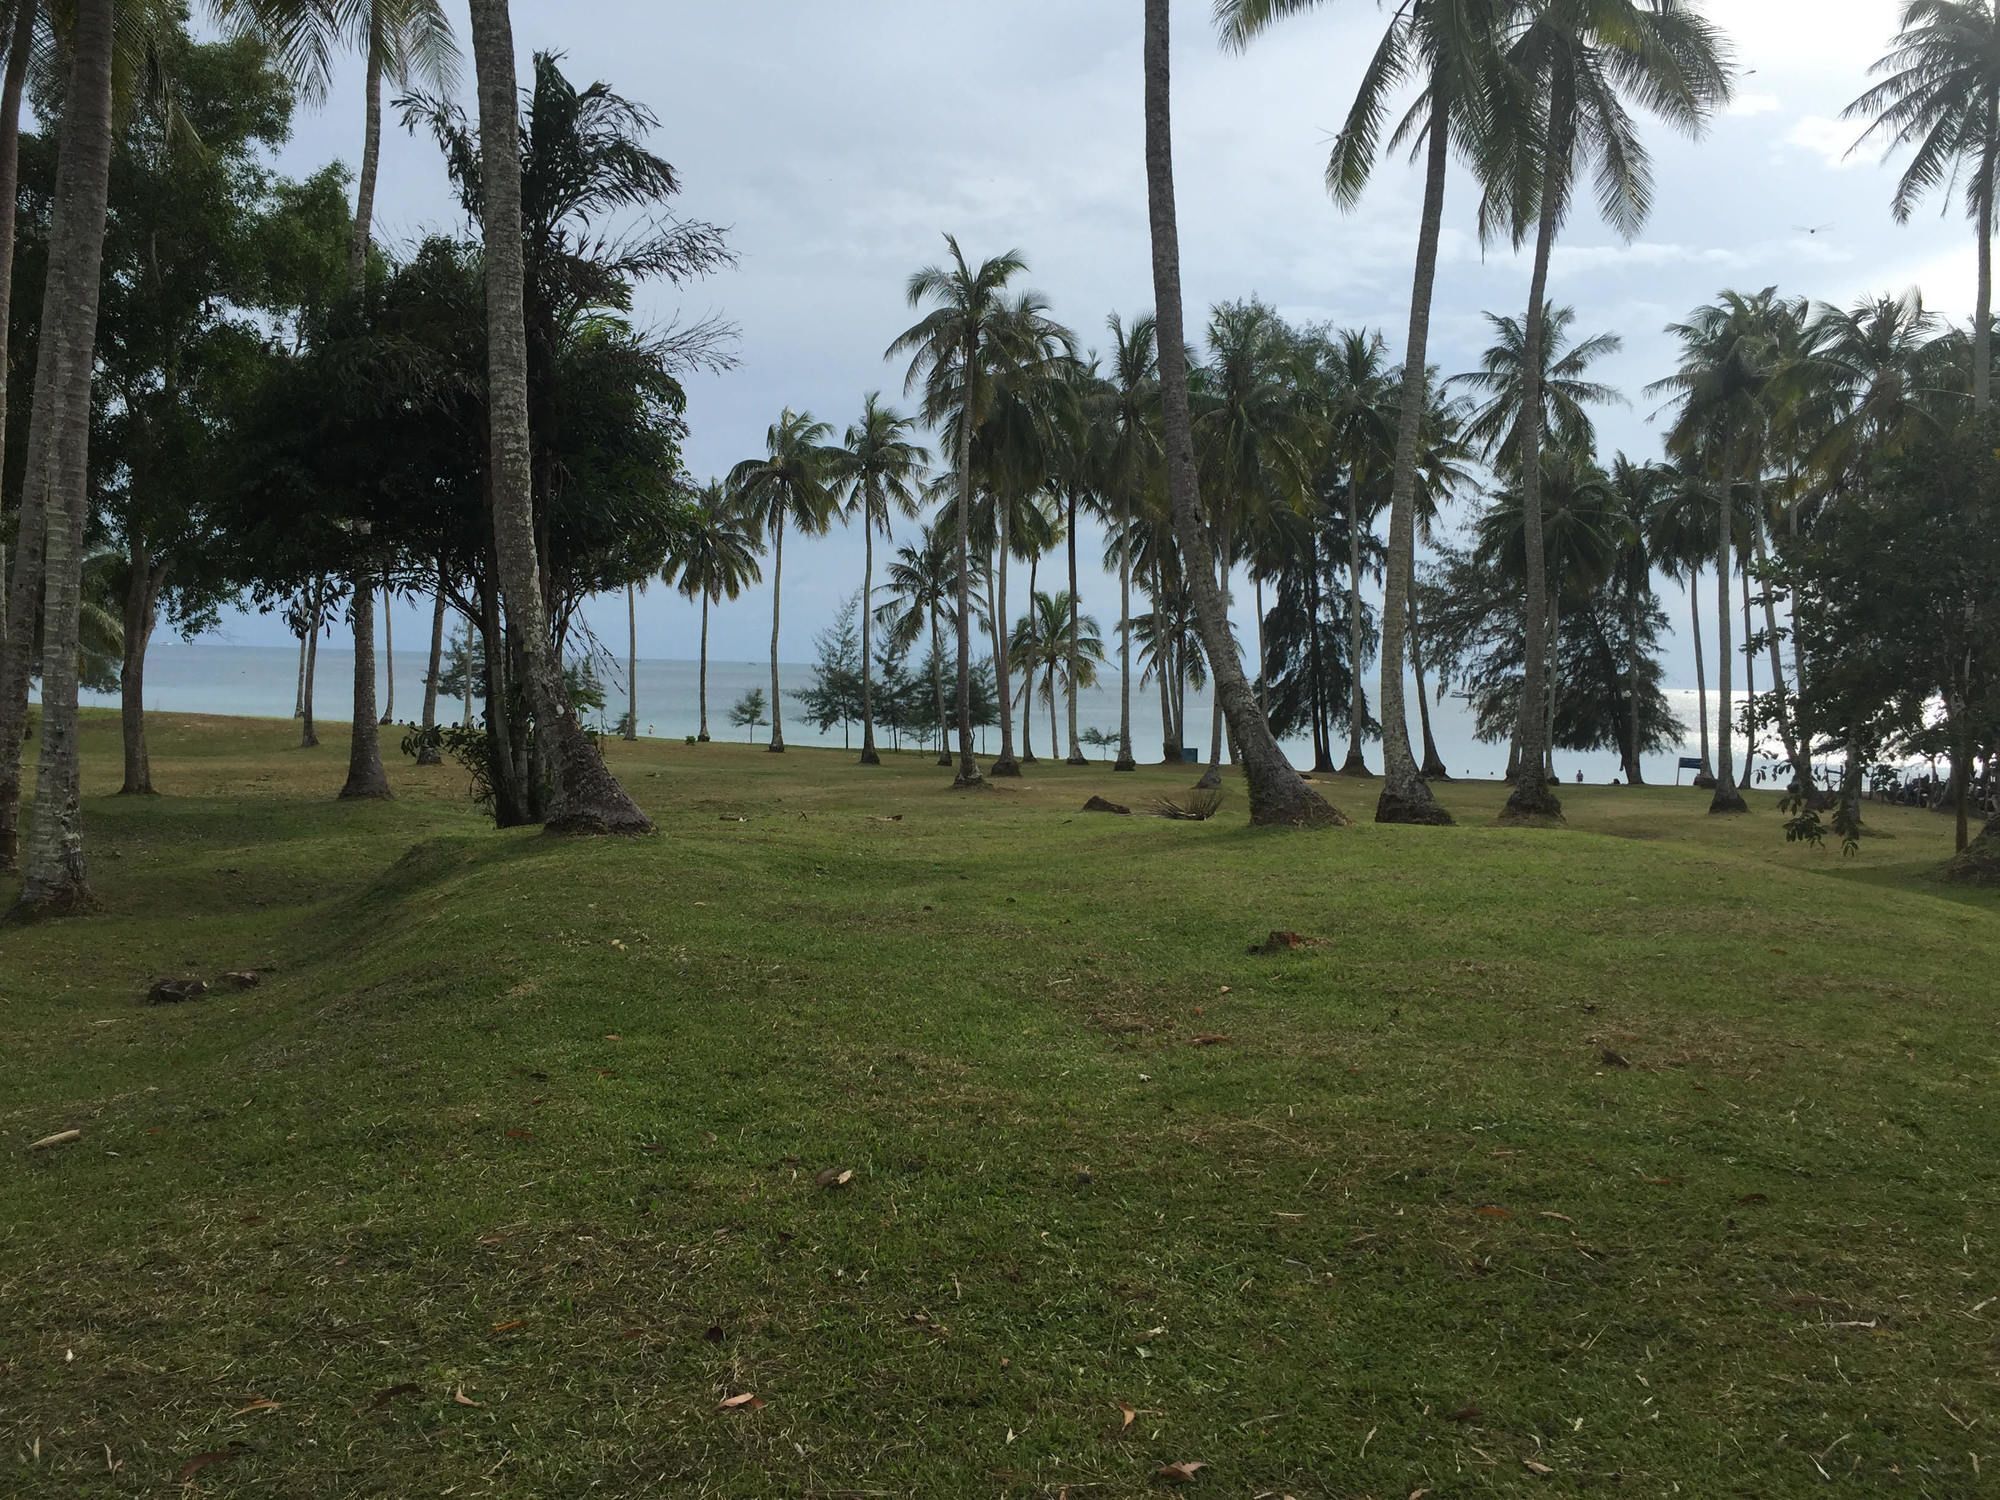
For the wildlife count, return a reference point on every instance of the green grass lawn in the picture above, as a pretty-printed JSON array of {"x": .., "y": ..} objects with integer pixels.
[{"x": 1647, "y": 1157}]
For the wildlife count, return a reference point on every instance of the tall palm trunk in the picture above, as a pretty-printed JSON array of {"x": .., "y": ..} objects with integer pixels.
[
  {"x": 1700, "y": 670},
  {"x": 1028, "y": 681},
  {"x": 968, "y": 772},
  {"x": 1727, "y": 799},
  {"x": 1357, "y": 710},
  {"x": 365, "y": 776},
  {"x": 1982, "y": 315},
  {"x": 1125, "y": 762},
  {"x": 1263, "y": 666},
  {"x": 145, "y": 578},
  {"x": 1531, "y": 797},
  {"x": 1801, "y": 767},
  {"x": 631, "y": 661},
  {"x": 428, "y": 755},
  {"x": 23, "y": 588},
  {"x": 586, "y": 796},
  {"x": 465, "y": 687},
  {"x": 701, "y": 680},
  {"x": 1006, "y": 764},
  {"x": 1212, "y": 777},
  {"x": 777, "y": 744},
  {"x": 1434, "y": 768},
  {"x": 1278, "y": 795},
  {"x": 389, "y": 656},
  {"x": 1749, "y": 678},
  {"x": 1406, "y": 797},
  {"x": 308, "y": 729},
  {"x": 1076, "y": 756},
  {"x": 869, "y": 756},
  {"x": 937, "y": 689},
  {"x": 57, "y": 471}
]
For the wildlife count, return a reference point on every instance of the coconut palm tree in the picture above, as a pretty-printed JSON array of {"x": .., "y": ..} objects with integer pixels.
[
  {"x": 1451, "y": 49},
  {"x": 792, "y": 484},
  {"x": 1034, "y": 527},
  {"x": 716, "y": 560},
  {"x": 1680, "y": 534},
  {"x": 972, "y": 332},
  {"x": 1499, "y": 386},
  {"x": 1277, "y": 793},
  {"x": 882, "y": 471},
  {"x": 56, "y": 878},
  {"x": 1940, "y": 98},
  {"x": 1584, "y": 62},
  {"x": 584, "y": 796},
  {"x": 924, "y": 592},
  {"x": 1055, "y": 639},
  {"x": 1126, "y": 413}
]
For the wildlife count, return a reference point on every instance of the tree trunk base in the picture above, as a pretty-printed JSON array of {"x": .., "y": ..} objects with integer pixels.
[
  {"x": 1703, "y": 782},
  {"x": 1076, "y": 760},
  {"x": 1296, "y": 805},
  {"x": 1532, "y": 804},
  {"x": 1978, "y": 863},
  {"x": 309, "y": 741},
  {"x": 1006, "y": 765},
  {"x": 963, "y": 782},
  {"x": 429, "y": 757},
  {"x": 70, "y": 899},
  {"x": 1433, "y": 769},
  {"x": 1125, "y": 763},
  {"x": 367, "y": 789},
  {"x": 1727, "y": 799},
  {"x": 1210, "y": 779},
  {"x": 947, "y": 759},
  {"x": 144, "y": 789},
  {"x": 776, "y": 747},
  {"x": 1410, "y": 803},
  {"x": 1357, "y": 766},
  {"x": 869, "y": 757}
]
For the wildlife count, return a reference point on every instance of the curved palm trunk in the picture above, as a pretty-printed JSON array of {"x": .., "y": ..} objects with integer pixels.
[
  {"x": 388, "y": 656},
  {"x": 1531, "y": 798},
  {"x": 1700, "y": 671},
  {"x": 308, "y": 729},
  {"x": 428, "y": 755},
  {"x": 1434, "y": 768},
  {"x": 968, "y": 771},
  {"x": 1727, "y": 799},
  {"x": 777, "y": 744},
  {"x": 57, "y": 472},
  {"x": 142, "y": 600},
  {"x": 869, "y": 756},
  {"x": 1406, "y": 797},
  {"x": 1278, "y": 795},
  {"x": 1076, "y": 756},
  {"x": 1357, "y": 711},
  {"x": 1263, "y": 665},
  {"x": 1749, "y": 683},
  {"x": 937, "y": 689},
  {"x": 1028, "y": 682},
  {"x": 365, "y": 776},
  {"x": 299, "y": 697},
  {"x": 1212, "y": 777},
  {"x": 701, "y": 680},
  {"x": 1801, "y": 768},
  {"x": 586, "y": 797},
  {"x": 1003, "y": 680},
  {"x": 1125, "y": 761},
  {"x": 465, "y": 688},
  {"x": 1163, "y": 669}
]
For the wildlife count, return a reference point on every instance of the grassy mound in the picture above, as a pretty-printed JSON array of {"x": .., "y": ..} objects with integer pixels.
[{"x": 1649, "y": 1151}]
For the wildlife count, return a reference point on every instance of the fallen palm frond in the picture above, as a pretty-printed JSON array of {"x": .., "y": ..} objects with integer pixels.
[{"x": 1197, "y": 806}]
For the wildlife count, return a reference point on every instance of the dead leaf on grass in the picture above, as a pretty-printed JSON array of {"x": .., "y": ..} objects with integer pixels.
[
  {"x": 1493, "y": 1211},
  {"x": 1536, "y": 1468},
  {"x": 462, "y": 1399},
  {"x": 1467, "y": 1413},
  {"x": 257, "y": 1403},
  {"x": 835, "y": 1177},
  {"x": 1179, "y": 1473},
  {"x": 201, "y": 1461},
  {"x": 1126, "y": 1412},
  {"x": 511, "y": 1324},
  {"x": 741, "y": 1401},
  {"x": 1209, "y": 1039}
]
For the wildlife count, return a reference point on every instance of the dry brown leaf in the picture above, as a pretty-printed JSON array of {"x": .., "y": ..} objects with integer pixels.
[
  {"x": 835, "y": 1177},
  {"x": 257, "y": 1403},
  {"x": 1208, "y": 1039},
  {"x": 462, "y": 1399},
  {"x": 741, "y": 1401},
  {"x": 1493, "y": 1211},
  {"x": 60, "y": 1138},
  {"x": 1179, "y": 1473},
  {"x": 202, "y": 1461},
  {"x": 1536, "y": 1468},
  {"x": 510, "y": 1325},
  {"x": 1467, "y": 1413},
  {"x": 515, "y": 1133},
  {"x": 1549, "y": 1213},
  {"x": 1126, "y": 1411}
]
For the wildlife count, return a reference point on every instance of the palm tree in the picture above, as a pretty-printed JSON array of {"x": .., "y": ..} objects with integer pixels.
[
  {"x": 883, "y": 471},
  {"x": 716, "y": 560},
  {"x": 1451, "y": 48},
  {"x": 584, "y": 796},
  {"x": 1171, "y": 653},
  {"x": 1055, "y": 639},
  {"x": 923, "y": 583},
  {"x": 428, "y": 755},
  {"x": 1680, "y": 531},
  {"x": 1278, "y": 795},
  {"x": 1582, "y": 60},
  {"x": 1494, "y": 426},
  {"x": 792, "y": 483},
  {"x": 1940, "y": 96},
  {"x": 1126, "y": 412},
  {"x": 971, "y": 333},
  {"x": 1032, "y": 529},
  {"x": 56, "y": 877}
]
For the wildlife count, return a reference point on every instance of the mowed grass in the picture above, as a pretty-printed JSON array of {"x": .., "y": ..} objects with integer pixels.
[{"x": 508, "y": 1175}]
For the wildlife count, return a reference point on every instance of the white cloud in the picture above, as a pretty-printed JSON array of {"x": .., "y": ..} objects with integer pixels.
[
  {"x": 1828, "y": 139},
  {"x": 1747, "y": 105}
]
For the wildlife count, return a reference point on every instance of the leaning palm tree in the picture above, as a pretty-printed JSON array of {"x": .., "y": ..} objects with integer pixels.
[
  {"x": 716, "y": 560},
  {"x": 1583, "y": 62},
  {"x": 1940, "y": 97},
  {"x": 883, "y": 472},
  {"x": 56, "y": 876},
  {"x": 1278, "y": 795},
  {"x": 584, "y": 796},
  {"x": 1451, "y": 48},
  {"x": 792, "y": 484},
  {"x": 971, "y": 333}
]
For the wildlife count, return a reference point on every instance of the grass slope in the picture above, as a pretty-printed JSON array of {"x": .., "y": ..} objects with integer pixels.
[{"x": 541, "y": 1122}]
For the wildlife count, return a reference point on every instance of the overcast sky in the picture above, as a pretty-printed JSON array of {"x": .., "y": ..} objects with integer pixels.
[{"x": 839, "y": 142}]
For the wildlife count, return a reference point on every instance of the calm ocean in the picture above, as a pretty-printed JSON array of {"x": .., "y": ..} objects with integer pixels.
[{"x": 260, "y": 682}]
